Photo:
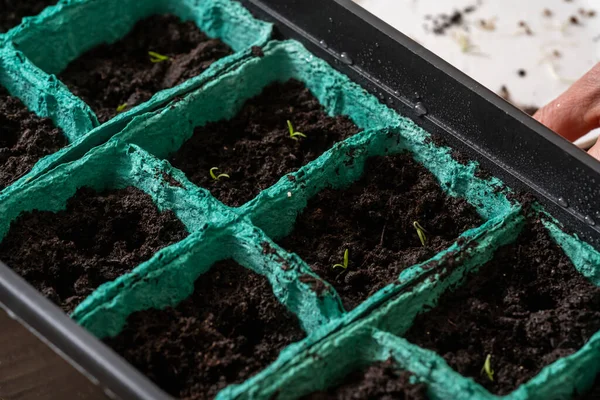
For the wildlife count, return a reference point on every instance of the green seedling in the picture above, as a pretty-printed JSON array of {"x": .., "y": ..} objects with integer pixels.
[
  {"x": 487, "y": 368},
  {"x": 421, "y": 232},
  {"x": 345, "y": 264},
  {"x": 293, "y": 134},
  {"x": 122, "y": 108},
  {"x": 217, "y": 177},
  {"x": 157, "y": 57}
]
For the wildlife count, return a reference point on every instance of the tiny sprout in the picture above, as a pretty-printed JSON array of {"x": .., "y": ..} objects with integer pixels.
[
  {"x": 121, "y": 108},
  {"x": 217, "y": 177},
  {"x": 345, "y": 264},
  {"x": 157, "y": 57},
  {"x": 487, "y": 368},
  {"x": 421, "y": 232},
  {"x": 294, "y": 134}
]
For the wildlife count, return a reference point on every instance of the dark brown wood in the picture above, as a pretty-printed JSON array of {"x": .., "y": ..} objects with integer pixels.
[{"x": 31, "y": 370}]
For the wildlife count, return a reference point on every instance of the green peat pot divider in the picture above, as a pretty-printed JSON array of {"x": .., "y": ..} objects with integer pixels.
[
  {"x": 114, "y": 166},
  {"x": 42, "y": 46},
  {"x": 559, "y": 380},
  {"x": 165, "y": 131},
  {"x": 338, "y": 342},
  {"x": 349, "y": 345},
  {"x": 275, "y": 209},
  {"x": 370, "y": 333},
  {"x": 166, "y": 281},
  {"x": 168, "y": 277}
]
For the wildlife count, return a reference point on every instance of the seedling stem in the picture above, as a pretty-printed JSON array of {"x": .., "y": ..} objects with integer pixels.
[
  {"x": 157, "y": 57},
  {"x": 345, "y": 264},
  {"x": 487, "y": 368},
  {"x": 217, "y": 177},
  {"x": 293, "y": 134},
  {"x": 421, "y": 232},
  {"x": 121, "y": 108}
]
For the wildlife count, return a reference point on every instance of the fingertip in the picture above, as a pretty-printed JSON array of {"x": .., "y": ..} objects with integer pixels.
[
  {"x": 594, "y": 151},
  {"x": 541, "y": 115},
  {"x": 561, "y": 122}
]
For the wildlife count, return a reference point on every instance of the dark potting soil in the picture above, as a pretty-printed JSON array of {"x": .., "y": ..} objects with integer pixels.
[
  {"x": 255, "y": 148},
  {"x": 527, "y": 307},
  {"x": 111, "y": 75},
  {"x": 229, "y": 329},
  {"x": 12, "y": 11},
  {"x": 374, "y": 220},
  {"x": 99, "y": 237},
  {"x": 441, "y": 23},
  {"x": 381, "y": 381},
  {"x": 24, "y": 139}
]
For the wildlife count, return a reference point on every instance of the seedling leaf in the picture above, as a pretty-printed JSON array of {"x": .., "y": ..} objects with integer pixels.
[
  {"x": 121, "y": 108},
  {"x": 217, "y": 177},
  {"x": 421, "y": 233},
  {"x": 345, "y": 264},
  {"x": 157, "y": 57},
  {"x": 293, "y": 134},
  {"x": 487, "y": 368}
]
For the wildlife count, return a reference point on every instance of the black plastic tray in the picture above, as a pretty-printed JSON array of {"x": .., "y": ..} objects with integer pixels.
[
  {"x": 419, "y": 85},
  {"x": 412, "y": 80}
]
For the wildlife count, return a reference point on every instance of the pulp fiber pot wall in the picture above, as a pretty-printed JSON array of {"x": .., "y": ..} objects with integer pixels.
[
  {"x": 373, "y": 333},
  {"x": 373, "y": 330},
  {"x": 163, "y": 132},
  {"x": 42, "y": 46}
]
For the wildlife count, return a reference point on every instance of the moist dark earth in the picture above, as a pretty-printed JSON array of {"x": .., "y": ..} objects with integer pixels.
[
  {"x": 24, "y": 139},
  {"x": 441, "y": 23},
  {"x": 113, "y": 75},
  {"x": 12, "y": 11},
  {"x": 255, "y": 148},
  {"x": 527, "y": 307},
  {"x": 380, "y": 381},
  {"x": 374, "y": 220},
  {"x": 99, "y": 237},
  {"x": 228, "y": 330}
]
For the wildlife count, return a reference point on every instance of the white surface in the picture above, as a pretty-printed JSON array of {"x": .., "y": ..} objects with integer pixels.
[
  {"x": 502, "y": 52},
  {"x": 587, "y": 141}
]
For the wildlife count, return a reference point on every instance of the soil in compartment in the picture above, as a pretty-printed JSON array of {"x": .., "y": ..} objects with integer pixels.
[
  {"x": 374, "y": 219},
  {"x": 526, "y": 308},
  {"x": 12, "y": 11},
  {"x": 229, "y": 329},
  {"x": 380, "y": 381},
  {"x": 96, "y": 239},
  {"x": 24, "y": 139},
  {"x": 255, "y": 148},
  {"x": 112, "y": 78}
]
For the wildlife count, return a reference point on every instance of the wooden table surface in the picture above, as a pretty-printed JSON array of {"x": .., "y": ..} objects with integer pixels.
[{"x": 31, "y": 370}]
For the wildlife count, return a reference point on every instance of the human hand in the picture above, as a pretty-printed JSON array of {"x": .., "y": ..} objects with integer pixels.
[{"x": 577, "y": 111}]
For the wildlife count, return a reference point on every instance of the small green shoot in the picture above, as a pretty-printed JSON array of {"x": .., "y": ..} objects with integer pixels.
[
  {"x": 217, "y": 177},
  {"x": 421, "y": 232},
  {"x": 157, "y": 57},
  {"x": 487, "y": 368},
  {"x": 345, "y": 264},
  {"x": 293, "y": 134},
  {"x": 122, "y": 108}
]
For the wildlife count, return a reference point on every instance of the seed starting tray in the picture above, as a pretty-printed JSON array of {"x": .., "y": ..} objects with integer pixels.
[{"x": 130, "y": 150}]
